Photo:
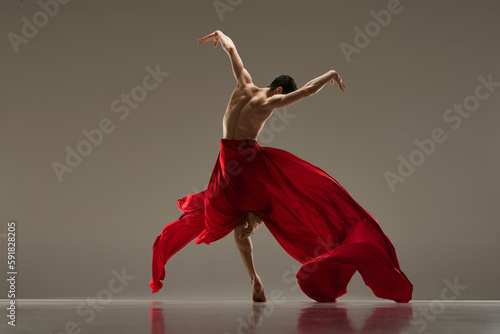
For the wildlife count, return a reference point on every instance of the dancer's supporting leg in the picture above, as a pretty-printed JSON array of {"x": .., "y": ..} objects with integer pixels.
[{"x": 242, "y": 238}]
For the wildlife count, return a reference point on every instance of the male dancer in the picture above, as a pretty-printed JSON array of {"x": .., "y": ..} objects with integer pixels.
[{"x": 312, "y": 216}]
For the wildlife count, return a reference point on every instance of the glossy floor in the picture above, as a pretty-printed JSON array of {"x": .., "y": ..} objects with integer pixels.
[{"x": 227, "y": 317}]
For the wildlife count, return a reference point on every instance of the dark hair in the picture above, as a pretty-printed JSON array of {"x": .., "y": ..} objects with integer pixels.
[{"x": 284, "y": 81}]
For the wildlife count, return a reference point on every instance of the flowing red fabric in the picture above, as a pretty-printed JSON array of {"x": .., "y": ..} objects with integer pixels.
[{"x": 308, "y": 212}]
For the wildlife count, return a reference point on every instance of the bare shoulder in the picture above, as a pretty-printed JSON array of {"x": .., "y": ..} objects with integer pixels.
[
  {"x": 252, "y": 89},
  {"x": 258, "y": 104},
  {"x": 256, "y": 98}
]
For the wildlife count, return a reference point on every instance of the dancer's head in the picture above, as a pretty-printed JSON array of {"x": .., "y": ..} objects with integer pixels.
[{"x": 286, "y": 83}]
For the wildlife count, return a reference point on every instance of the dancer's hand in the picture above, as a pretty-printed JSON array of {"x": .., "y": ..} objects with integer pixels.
[
  {"x": 212, "y": 37},
  {"x": 338, "y": 79}
]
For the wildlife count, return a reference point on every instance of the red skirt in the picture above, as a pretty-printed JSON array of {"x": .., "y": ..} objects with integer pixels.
[{"x": 308, "y": 212}]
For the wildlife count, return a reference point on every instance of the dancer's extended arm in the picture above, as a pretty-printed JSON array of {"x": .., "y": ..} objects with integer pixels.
[
  {"x": 310, "y": 88},
  {"x": 240, "y": 73}
]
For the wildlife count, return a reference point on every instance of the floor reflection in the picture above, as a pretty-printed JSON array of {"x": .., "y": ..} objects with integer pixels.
[
  {"x": 245, "y": 317},
  {"x": 373, "y": 319},
  {"x": 356, "y": 317},
  {"x": 157, "y": 320}
]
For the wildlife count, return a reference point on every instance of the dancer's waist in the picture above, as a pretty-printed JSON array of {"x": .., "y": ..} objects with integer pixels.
[{"x": 239, "y": 144}]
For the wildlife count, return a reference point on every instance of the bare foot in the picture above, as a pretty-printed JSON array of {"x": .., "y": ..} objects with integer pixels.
[
  {"x": 251, "y": 225},
  {"x": 258, "y": 294}
]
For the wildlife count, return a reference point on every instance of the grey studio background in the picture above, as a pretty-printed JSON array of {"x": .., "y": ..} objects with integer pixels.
[{"x": 406, "y": 76}]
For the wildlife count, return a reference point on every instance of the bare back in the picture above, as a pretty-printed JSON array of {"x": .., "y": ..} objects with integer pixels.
[
  {"x": 245, "y": 115},
  {"x": 250, "y": 106}
]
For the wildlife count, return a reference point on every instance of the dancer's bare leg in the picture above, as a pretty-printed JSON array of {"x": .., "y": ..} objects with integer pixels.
[{"x": 242, "y": 238}]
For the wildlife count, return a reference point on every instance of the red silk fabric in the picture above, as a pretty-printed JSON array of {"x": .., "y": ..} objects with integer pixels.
[{"x": 308, "y": 212}]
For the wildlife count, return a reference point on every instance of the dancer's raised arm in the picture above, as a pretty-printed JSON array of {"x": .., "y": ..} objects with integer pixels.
[
  {"x": 240, "y": 73},
  {"x": 310, "y": 88}
]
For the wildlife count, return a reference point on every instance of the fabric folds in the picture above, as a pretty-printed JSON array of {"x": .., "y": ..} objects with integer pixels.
[{"x": 308, "y": 212}]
